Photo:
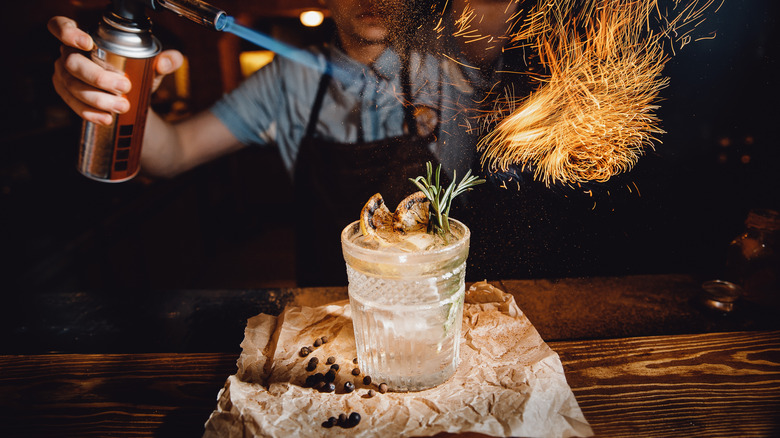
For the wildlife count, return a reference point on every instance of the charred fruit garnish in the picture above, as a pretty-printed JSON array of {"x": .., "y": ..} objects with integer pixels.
[
  {"x": 376, "y": 220},
  {"x": 424, "y": 211},
  {"x": 412, "y": 214}
]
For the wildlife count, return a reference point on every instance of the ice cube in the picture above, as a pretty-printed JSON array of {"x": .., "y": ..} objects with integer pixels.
[{"x": 416, "y": 242}]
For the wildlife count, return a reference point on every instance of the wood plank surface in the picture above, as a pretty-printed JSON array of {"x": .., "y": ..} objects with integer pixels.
[
  {"x": 618, "y": 307},
  {"x": 103, "y": 395},
  {"x": 717, "y": 384}
]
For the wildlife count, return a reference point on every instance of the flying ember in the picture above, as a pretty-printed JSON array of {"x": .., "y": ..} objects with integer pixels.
[{"x": 592, "y": 114}]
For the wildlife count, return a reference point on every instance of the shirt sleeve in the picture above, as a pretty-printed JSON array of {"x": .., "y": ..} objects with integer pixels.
[{"x": 271, "y": 107}]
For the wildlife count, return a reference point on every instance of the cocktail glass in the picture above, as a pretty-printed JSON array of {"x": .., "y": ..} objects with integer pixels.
[{"x": 407, "y": 309}]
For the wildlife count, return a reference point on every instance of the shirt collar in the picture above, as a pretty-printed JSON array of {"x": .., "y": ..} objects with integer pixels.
[{"x": 387, "y": 66}]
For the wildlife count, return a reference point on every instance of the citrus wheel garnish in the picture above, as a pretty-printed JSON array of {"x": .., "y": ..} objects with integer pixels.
[
  {"x": 375, "y": 219},
  {"x": 412, "y": 214}
]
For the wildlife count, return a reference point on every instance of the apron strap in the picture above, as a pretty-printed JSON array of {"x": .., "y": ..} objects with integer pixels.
[
  {"x": 406, "y": 89},
  {"x": 409, "y": 107},
  {"x": 316, "y": 107}
]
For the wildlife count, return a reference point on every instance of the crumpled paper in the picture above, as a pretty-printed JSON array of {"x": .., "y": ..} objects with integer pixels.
[{"x": 508, "y": 383}]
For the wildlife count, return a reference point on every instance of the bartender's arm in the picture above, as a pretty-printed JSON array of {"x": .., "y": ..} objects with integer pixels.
[{"x": 95, "y": 94}]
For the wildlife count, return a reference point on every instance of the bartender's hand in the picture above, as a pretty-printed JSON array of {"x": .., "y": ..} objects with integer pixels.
[{"x": 95, "y": 94}]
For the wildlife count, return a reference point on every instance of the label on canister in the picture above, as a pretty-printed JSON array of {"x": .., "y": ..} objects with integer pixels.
[{"x": 112, "y": 153}]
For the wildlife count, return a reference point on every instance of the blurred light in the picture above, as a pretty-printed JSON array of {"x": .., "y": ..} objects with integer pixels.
[
  {"x": 312, "y": 18},
  {"x": 253, "y": 61}
]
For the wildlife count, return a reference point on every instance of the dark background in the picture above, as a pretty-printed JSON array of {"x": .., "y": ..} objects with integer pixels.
[{"x": 226, "y": 225}]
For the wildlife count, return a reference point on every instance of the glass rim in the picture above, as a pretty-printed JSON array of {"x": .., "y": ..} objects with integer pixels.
[{"x": 353, "y": 248}]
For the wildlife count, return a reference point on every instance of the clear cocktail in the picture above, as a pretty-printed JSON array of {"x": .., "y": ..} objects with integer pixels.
[{"x": 407, "y": 305}]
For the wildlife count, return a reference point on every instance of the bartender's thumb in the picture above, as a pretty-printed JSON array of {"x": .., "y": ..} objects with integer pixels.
[{"x": 167, "y": 62}]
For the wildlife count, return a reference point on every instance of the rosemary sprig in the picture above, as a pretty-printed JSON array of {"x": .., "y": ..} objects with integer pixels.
[{"x": 441, "y": 200}]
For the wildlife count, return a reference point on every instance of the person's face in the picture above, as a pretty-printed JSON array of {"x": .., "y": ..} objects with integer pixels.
[{"x": 363, "y": 21}]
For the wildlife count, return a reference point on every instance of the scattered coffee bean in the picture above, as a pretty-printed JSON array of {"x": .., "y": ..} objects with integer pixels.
[
  {"x": 371, "y": 393},
  {"x": 319, "y": 386},
  {"x": 349, "y": 387},
  {"x": 317, "y": 342},
  {"x": 318, "y": 377},
  {"x": 324, "y": 339},
  {"x": 334, "y": 367},
  {"x": 356, "y": 371},
  {"x": 383, "y": 387},
  {"x": 312, "y": 365},
  {"x": 331, "y": 360},
  {"x": 354, "y": 360},
  {"x": 344, "y": 420},
  {"x": 367, "y": 380},
  {"x": 328, "y": 387},
  {"x": 330, "y": 376},
  {"x": 304, "y": 351}
]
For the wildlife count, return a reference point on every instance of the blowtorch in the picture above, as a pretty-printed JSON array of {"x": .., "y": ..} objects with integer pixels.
[{"x": 124, "y": 43}]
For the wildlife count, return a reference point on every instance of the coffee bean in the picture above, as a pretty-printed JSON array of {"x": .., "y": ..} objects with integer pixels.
[
  {"x": 371, "y": 393},
  {"x": 383, "y": 388},
  {"x": 356, "y": 371},
  {"x": 328, "y": 387},
  {"x": 344, "y": 420},
  {"x": 312, "y": 365},
  {"x": 318, "y": 342},
  {"x": 367, "y": 380},
  {"x": 319, "y": 386},
  {"x": 330, "y": 376},
  {"x": 349, "y": 387},
  {"x": 318, "y": 377},
  {"x": 325, "y": 339},
  {"x": 334, "y": 367},
  {"x": 304, "y": 351},
  {"x": 330, "y": 360},
  {"x": 354, "y": 360}
]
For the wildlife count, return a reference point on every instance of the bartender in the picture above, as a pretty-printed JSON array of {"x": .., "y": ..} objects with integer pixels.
[{"x": 341, "y": 142}]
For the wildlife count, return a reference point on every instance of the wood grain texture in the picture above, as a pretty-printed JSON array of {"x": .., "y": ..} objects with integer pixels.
[
  {"x": 110, "y": 394},
  {"x": 717, "y": 384}
]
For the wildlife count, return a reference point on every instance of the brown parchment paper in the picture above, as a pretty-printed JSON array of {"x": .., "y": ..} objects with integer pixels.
[{"x": 508, "y": 383}]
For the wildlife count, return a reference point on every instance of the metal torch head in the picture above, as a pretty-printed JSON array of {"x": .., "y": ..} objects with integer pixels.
[{"x": 195, "y": 10}]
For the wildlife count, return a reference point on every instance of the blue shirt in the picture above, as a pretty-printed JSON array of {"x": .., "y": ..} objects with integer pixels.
[{"x": 273, "y": 106}]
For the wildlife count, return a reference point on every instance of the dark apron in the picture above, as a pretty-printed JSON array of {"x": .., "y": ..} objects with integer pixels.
[{"x": 334, "y": 180}]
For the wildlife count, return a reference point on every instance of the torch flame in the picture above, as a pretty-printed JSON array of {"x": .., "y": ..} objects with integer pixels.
[{"x": 593, "y": 114}]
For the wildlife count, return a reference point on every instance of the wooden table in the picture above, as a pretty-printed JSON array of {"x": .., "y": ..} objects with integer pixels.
[{"x": 702, "y": 381}]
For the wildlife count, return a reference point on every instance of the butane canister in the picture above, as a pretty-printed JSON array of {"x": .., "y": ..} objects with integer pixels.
[{"x": 112, "y": 153}]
